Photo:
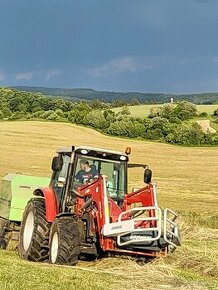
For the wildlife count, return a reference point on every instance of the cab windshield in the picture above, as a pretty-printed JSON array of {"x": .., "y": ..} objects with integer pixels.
[{"x": 89, "y": 168}]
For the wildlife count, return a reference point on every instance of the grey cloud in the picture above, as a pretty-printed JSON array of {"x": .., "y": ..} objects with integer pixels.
[{"x": 118, "y": 65}]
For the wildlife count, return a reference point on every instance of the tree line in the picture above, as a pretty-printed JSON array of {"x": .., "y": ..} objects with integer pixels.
[
  {"x": 169, "y": 123},
  {"x": 107, "y": 96}
]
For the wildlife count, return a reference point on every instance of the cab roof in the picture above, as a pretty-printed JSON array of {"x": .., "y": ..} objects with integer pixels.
[{"x": 93, "y": 151}]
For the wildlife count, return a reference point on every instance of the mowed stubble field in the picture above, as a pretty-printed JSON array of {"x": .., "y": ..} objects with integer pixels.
[
  {"x": 187, "y": 177},
  {"x": 187, "y": 181}
]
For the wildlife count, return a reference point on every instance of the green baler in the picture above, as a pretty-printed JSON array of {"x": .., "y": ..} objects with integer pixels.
[{"x": 16, "y": 190}]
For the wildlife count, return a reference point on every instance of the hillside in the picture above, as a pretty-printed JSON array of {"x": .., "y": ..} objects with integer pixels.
[
  {"x": 166, "y": 123},
  {"x": 89, "y": 94},
  {"x": 28, "y": 147}
]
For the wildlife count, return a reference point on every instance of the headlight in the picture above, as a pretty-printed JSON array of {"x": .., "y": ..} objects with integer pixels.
[{"x": 123, "y": 158}]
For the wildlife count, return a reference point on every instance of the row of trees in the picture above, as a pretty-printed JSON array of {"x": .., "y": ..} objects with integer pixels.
[
  {"x": 14, "y": 101},
  {"x": 168, "y": 123}
]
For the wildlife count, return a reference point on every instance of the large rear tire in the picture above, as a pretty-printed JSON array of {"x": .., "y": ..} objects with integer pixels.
[
  {"x": 34, "y": 232},
  {"x": 64, "y": 242}
]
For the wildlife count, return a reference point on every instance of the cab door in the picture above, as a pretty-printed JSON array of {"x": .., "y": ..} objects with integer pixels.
[{"x": 59, "y": 178}]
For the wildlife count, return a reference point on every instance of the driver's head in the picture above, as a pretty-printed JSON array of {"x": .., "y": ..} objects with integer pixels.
[{"x": 84, "y": 164}]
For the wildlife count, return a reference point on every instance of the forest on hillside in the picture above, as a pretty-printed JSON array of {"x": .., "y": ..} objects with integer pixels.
[
  {"x": 106, "y": 96},
  {"x": 168, "y": 123}
]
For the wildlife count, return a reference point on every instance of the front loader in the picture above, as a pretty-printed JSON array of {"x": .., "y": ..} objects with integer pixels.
[{"x": 73, "y": 218}]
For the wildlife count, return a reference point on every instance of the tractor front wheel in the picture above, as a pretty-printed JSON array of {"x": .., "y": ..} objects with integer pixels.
[
  {"x": 64, "y": 242},
  {"x": 34, "y": 232}
]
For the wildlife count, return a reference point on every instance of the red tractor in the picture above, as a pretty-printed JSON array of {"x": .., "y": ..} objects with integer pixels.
[{"x": 86, "y": 210}]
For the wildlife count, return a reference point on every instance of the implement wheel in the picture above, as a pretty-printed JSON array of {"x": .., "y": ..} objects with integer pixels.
[
  {"x": 64, "y": 242},
  {"x": 34, "y": 232},
  {"x": 3, "y": 242}
]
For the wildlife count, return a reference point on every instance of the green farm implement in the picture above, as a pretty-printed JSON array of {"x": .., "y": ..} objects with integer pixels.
[{"x": 16, "y": 190}]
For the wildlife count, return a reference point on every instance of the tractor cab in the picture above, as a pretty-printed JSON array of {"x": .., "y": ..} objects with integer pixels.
[
  {"x": 90, "y": 164},
  {"x": 74, "y": 167}
]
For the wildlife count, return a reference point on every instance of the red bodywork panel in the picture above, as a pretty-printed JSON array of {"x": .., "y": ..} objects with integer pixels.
[
  {"x": 95, "y": 191},
  {"x": 144, "y": 195},
  {"x": 51, "y": 204}
]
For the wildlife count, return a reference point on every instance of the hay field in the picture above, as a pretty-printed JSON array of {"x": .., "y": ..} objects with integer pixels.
[
  {"x": 187, "y": 177},
  {"x": 144, "y": 110},
  {"x": 187, "y": 181}
]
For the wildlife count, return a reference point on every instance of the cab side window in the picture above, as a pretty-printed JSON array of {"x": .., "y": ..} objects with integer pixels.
[{"x": 59, "y": 177}]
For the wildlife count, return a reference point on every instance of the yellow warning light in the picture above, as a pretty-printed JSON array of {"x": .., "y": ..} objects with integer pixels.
[{"x": 128, "y": 150}]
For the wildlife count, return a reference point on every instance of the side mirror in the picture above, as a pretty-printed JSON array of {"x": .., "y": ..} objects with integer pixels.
[
  {"x": 57, "y": 163},
  {"x": 147, "y": 175}
]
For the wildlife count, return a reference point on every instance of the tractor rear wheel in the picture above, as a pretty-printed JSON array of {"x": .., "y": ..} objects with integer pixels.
[
  {"x": 34, "y": 232},
  {"x": 64, "y": 242}
]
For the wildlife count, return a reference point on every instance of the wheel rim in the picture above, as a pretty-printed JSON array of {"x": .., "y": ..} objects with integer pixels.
[
  {"x": 28, "y": 231},
  {"x": 54, "y": 248}
]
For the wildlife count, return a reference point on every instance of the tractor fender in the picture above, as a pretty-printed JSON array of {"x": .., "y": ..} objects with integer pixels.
[{"x": 50, "y": 202}]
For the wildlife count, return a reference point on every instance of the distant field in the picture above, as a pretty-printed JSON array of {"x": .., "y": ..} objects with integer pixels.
[
  {"x": 139, "y": 111},
  {"x": 144, "y": 110},
  {"x": 187, "y": 181}
]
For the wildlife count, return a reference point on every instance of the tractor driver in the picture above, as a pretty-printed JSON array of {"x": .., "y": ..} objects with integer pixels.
[{"x": 86, "y": 171}]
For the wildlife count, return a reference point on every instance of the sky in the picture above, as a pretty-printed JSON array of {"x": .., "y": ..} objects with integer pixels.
[{"x": 165, "y": 46}]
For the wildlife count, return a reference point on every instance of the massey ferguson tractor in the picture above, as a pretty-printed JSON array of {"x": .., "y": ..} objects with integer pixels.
[{"x": 86, "y": 211}]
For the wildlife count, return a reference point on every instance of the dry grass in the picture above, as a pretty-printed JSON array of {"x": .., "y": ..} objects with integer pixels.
[
  {"x": 187, "y": 181},
  {"x": 186, "y": 177},
  {"x": 205, "y": 126},
  {"x": 185, "y": 269}
]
